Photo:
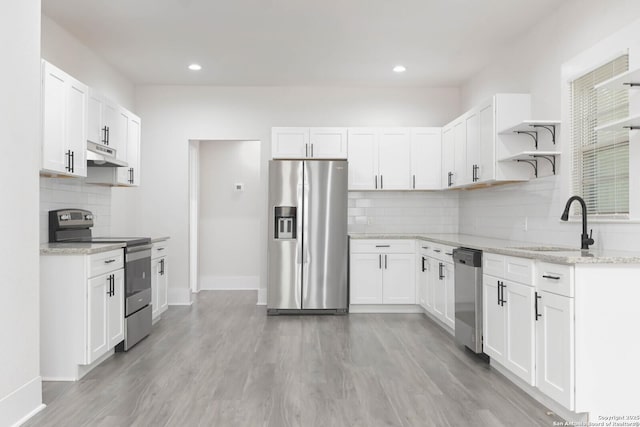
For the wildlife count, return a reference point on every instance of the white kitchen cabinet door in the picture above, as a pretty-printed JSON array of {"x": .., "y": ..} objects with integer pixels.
[
  {"x": 398, "y": 279},
  {"x": 290, "y": 143},
  {"x": 423, "y": 283},
  {"x": 119, "y": 135},
  {"x": 426, "y": 158},
  {"x": 363, "y": 158},
  {"x": 493, "y": 320},
  {"x": 450, "y": 299},
  {"x": 133, "y": 149},
  {"x": 366, "y": 278},
  {"x": 115, "y": 307},
  {"x": 460, "y": 175},
  {"x": 486, "y": 134},
  {"x": 448, "y": 152},
  {"x": 520, "y": 330},
  {"x": 328, "y": 143},
  {"x": 472, "y": 146},
  {"x": 394, "y": 159},
  {"x": 439, "y": 289},
  {"x": 64, "y": 131},
  {"x": 97, "y": 338},
  {"x": 158, "y": 286},
  {"x": 95, "y": 127},
  {"x": 555, "y": 348}
]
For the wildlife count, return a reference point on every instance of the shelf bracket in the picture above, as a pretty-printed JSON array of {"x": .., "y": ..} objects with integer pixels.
[
  {"x": 533, "y": 163},
  {"x": 550, "y": 159},
  {"x": 551, "y": 129},
  {"x": 532, "y": 133}
]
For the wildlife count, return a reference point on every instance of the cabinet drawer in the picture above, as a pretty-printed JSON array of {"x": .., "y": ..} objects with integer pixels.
[
  {"x": 105, "y": 262},
  {"x": 383, "y": 246},
  {"x": 519, "y": 269},
  {"x": 159, "y": 249},
  {"x": 555, "y": 278},
  {"x": 493, "y": 264},
  {"x": 441, "y": 252}
]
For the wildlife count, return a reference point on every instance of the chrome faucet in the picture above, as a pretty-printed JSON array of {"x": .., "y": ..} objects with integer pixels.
[{"x": 585, "y": 239}]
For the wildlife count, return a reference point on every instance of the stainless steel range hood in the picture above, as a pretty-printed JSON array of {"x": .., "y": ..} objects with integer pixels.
[{"x": 103, "y": 156}]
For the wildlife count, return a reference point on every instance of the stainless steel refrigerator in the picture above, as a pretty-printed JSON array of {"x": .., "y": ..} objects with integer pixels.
[{"x": 307, "y": 236}]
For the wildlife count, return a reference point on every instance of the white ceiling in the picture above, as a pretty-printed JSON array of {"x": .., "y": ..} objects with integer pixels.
[{"x": 298, "y": 42}]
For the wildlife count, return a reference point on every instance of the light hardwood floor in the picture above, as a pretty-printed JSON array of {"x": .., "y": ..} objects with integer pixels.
[{"x": 223, "y": 362}]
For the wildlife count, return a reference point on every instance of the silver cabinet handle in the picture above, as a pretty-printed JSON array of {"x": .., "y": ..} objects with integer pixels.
[
  {"x": 383, "y": 246},
  {"x": 160, "y": 249},
  {"x": 312, "y": 149},
  {"x": 425, "y": 247},
  {"x": 448, "y": 253},
  {"x": 414, "y": 182},
  {"x": 437, "y": 250},
  {"x": 380, "y": 261},
  {"x": 546, "y": 276},
  {"x": 381, "y": 182},
  {"x": 306, "y": 150},
  {"x": 385, "y": 261},
  {"x": 109, "y": 261},
  {"x": 376, "y": 180}
]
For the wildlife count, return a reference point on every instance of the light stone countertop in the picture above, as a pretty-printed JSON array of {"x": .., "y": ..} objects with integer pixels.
[
  {"x": 568, "y": 255},
  {"x": 77, "y": 248},
  {"x": 159, "y": 239}
]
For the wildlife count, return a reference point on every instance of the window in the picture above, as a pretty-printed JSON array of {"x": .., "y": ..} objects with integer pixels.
[{"x": 600, "y": 160}]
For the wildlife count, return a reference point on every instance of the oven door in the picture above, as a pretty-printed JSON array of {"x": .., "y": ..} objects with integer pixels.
[{"x": 137, "y": 278}]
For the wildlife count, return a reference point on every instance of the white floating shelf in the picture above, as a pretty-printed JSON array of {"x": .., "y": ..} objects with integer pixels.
[
  {"x": 632, "y": 123},
  {"x": 528, "y": 126},
  {"x": 529, "y": 155},
  {"x": 626, "y": 80}
]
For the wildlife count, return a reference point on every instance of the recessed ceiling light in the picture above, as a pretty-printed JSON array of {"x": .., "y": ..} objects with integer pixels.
[
  {"x": 195, "y": 67},
  {"x": 399, "y": 68}
]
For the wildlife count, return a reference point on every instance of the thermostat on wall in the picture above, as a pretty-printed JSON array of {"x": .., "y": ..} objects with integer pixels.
[{"x": 238, "y": 186}]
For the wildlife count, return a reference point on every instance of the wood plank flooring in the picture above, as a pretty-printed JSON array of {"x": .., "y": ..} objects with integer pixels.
[{"x": 223, "y": 362}]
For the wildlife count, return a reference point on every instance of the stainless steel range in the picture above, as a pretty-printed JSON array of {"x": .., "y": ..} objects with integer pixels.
[{"x": 74, "y": 225}]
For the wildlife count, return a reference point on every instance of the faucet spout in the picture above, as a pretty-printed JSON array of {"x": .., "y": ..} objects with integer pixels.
[{"x": 585, "y": 238}]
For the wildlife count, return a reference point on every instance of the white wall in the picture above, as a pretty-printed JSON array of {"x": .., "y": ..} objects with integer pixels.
[
  {"x": 172, "y": 115},
  {"x": 20, "y": 383},
  {"x": 230, "y": 238},
  {"x": 68, "y": 53},
  {"x": 536, "y": 63}
]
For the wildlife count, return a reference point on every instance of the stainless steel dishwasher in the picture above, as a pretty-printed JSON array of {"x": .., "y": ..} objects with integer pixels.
[{"x": 468, "y": 298}]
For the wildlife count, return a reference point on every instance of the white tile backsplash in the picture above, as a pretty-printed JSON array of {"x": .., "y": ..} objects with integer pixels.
[
  {"x": 403, "y": 212},
  {"x": 60, "y": 193}
]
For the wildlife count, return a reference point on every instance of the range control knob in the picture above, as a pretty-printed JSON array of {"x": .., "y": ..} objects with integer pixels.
[
  {"x": 88, "y": 217},
  {"x": 65, "y": 217}
]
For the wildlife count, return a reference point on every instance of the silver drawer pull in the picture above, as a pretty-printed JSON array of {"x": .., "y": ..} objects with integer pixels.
[
  {"x": 425, "y": 247},
  {"x": 383, "y": 246},
  {"x": 437, "y": 250},
  {"x": 550, "y": 277},
  {"x": 160, "y": 249},
  {"x": 109, "y": 261},
  {"x": 448, "y": 253}
]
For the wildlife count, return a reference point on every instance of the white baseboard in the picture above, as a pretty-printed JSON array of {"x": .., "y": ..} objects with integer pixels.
[
  {"x": 22, "y": 404},
  {"x": 262, "y": 296},
  {"x": 179, "y": 296},
  {"x": 384, "y": 308},
  {"x": 571, "y": 417},
  {"x": 228, "y": 283}
]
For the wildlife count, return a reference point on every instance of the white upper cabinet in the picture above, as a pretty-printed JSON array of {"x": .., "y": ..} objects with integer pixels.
[
  {"x": 103, "y": 122},
  {"x": 64, "y": 123},
  {"x": 380, "y": 159},
  {"x": 309, "y": 143},
  {"x": 473, "y": 148},
  {"x": 394, "y": 159},
  {"x": 328, "y": 143},
  {"x": 363, "y": 158},
  {"x": 448, "y": 141},
  {"x": 426, "y": 158}
]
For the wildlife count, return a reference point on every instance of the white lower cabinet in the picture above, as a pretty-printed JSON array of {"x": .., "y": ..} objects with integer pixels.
[
  {"x": 81, "y": 312},
  {"x": 436, "y": 286},
  {"x": 555, "y": 348},
  {"x": 424, "y": 282},
  {"x": 379, "y": 274},
  {"x": 159, "y": 279},
  {"x": 508, "y": 317}
]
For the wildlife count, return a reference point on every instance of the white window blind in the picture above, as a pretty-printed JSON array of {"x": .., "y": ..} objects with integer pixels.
[{"x": 600, "y": 160}]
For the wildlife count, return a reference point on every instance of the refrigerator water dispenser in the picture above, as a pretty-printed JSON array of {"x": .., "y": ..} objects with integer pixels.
[{"x": 285, "y": 217}]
